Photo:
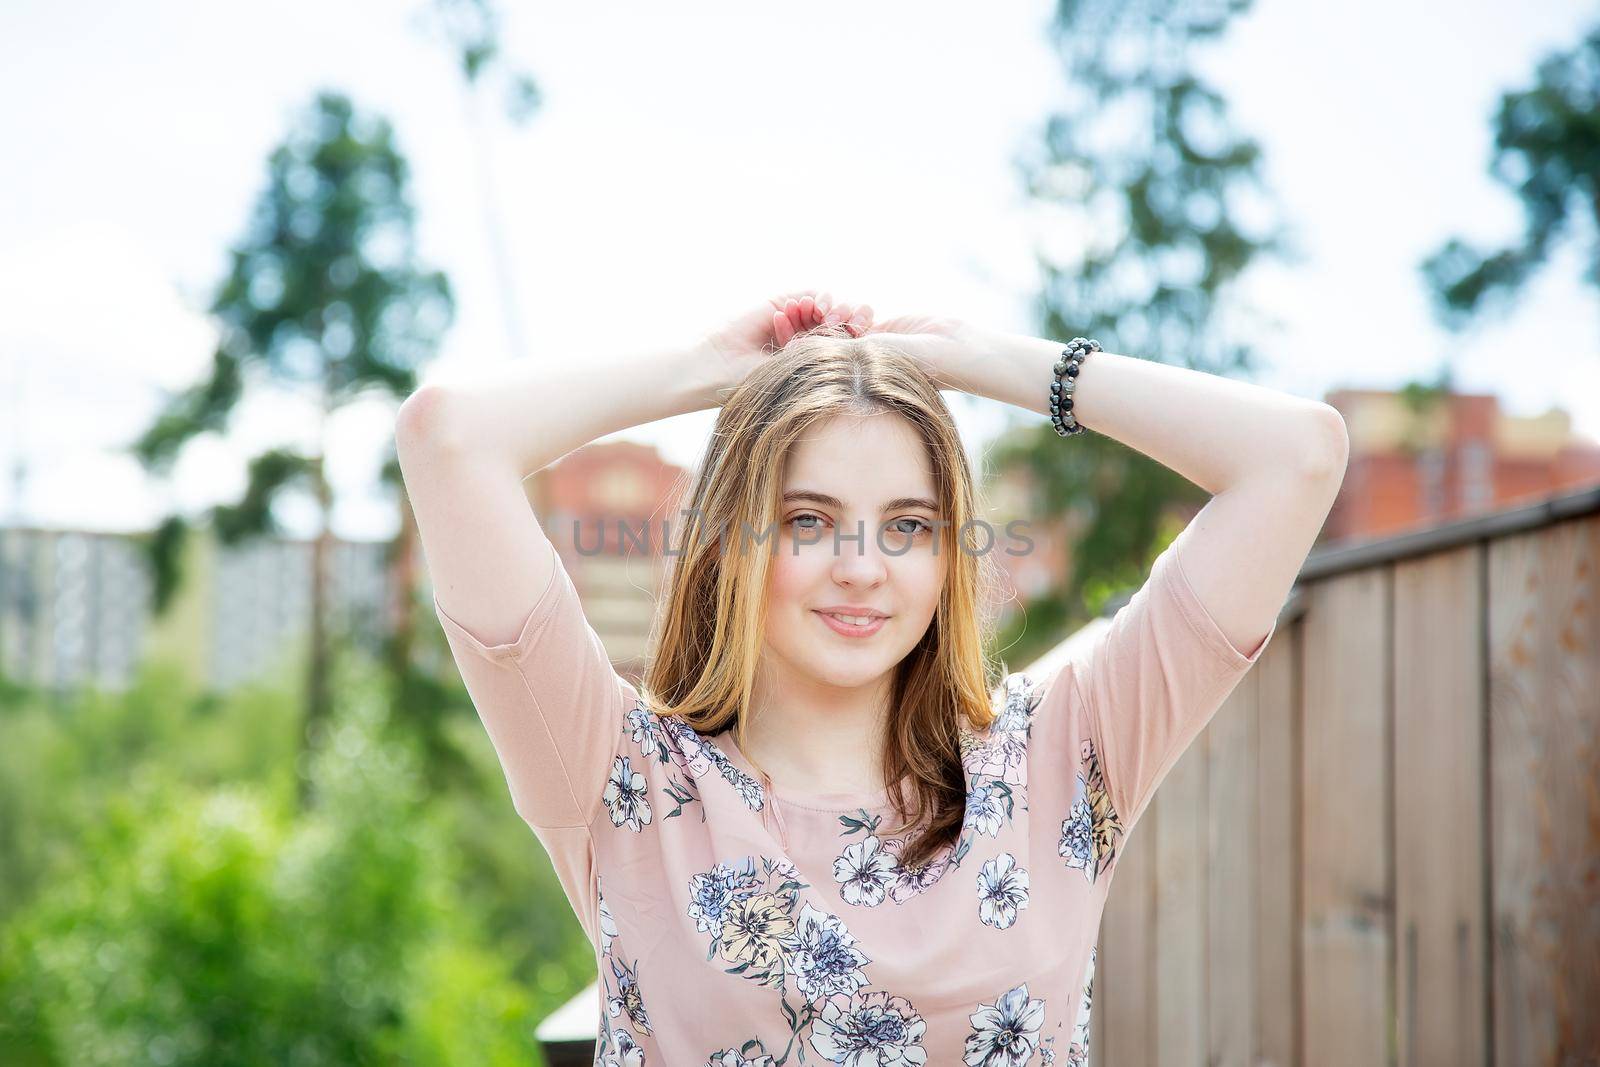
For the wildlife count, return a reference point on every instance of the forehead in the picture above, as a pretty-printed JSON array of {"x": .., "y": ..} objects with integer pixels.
[{"x": 864, "y": 461}]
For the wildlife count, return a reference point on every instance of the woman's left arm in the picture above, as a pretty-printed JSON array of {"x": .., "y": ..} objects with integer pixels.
[{"x": 1273, "y": 462}]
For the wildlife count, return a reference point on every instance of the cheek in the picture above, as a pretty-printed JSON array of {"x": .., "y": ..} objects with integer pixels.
[
  {"x": 923, "y": 577},
  {"x": 791, "y": 578}
]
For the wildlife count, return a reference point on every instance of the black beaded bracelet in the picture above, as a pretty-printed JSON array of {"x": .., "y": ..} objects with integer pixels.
[{"x": 1066, "y": 380}]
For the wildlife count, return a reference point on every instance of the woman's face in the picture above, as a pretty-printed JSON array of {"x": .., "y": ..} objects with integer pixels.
[{"x": 856, "y": 530}]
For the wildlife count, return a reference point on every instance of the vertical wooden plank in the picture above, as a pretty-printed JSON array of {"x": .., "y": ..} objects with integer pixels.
[
  {"x": 1230, "y": 751},
  {"x": 1441, "y": 977},
  {"x": 1124, "y": 990},
  {"x": 1345, "y": 854},
  {"x": 1180, "y": 930},
  {"x": 1277, "y": 930},
  {"x": 1544, "y": 756}
]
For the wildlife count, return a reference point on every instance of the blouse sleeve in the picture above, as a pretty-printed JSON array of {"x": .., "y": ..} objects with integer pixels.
[
  {"x": 552, "y": 704},
  {"x": 1152, "y": 679}
]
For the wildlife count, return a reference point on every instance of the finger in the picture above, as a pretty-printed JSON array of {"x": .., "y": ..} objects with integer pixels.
[
  {"x": 808, "y": 312},
  {"x": 796, "y": 319},
  {"x": 824, "y": 303},
  {"x": 782, "y": 329},
  {"x": 861, "y": 318}
]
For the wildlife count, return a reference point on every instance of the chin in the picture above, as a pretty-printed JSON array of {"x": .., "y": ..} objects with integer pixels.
[{"x": 848, "y": 676}]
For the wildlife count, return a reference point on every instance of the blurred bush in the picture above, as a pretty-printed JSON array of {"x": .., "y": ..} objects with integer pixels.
[{"x": 162, "y": 901}]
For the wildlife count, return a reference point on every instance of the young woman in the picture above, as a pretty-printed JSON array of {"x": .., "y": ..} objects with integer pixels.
[{"x": 757, "y": 891}]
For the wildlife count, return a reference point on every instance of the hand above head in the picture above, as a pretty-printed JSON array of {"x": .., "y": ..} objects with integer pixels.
[
  {"x": 745, "y": 340},
  {"x": 940, "y": 344}
]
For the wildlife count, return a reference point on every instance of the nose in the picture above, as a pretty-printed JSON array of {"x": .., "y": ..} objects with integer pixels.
[{"x": 860, "y": 561}]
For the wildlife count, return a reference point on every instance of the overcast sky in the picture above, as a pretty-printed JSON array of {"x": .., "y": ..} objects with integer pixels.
[{"x": 690, "y": 159}]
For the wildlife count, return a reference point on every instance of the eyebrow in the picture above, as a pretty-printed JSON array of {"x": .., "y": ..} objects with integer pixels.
[{"x": 796, "y": 495}]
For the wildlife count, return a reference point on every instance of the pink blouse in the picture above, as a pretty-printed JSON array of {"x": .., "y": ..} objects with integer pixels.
[{"x": 738, "y": 927}]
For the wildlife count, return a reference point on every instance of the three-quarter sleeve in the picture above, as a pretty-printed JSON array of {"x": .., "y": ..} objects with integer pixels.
[
  {"x": 1152, "y": 679},
  {"x": 552, "y": 704}
]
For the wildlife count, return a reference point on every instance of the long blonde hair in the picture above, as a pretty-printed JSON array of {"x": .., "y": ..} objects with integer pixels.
[{"x": 706, "y": 640}]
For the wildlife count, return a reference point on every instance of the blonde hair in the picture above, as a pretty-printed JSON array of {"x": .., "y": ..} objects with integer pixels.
[{"x": 706, "y": 642}]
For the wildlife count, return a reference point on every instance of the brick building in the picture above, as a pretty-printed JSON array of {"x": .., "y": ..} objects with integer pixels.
[
  {"x": 1421, "y": 464},
  {"x": 610, "y": 509}
]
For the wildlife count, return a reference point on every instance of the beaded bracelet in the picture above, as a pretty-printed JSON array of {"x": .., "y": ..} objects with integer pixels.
[{"x": 1066, "y": 379}]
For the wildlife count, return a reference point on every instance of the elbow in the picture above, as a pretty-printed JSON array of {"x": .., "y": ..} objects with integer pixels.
[
  {"x": 427, "y": 420},
  {"x": 1327, "y": 451}
]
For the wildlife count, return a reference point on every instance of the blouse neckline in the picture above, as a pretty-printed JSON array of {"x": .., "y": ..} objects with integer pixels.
[{"x": 831, "y": 803}]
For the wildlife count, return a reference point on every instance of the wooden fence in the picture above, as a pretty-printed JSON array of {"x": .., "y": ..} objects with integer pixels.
[{"x": 1385, "y": 848}]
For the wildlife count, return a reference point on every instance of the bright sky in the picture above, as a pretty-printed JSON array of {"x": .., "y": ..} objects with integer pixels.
[{"x": 689, "y": 160}]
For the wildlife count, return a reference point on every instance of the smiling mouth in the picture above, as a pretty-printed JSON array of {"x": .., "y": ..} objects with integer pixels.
[{"x": 853, "y": 626}]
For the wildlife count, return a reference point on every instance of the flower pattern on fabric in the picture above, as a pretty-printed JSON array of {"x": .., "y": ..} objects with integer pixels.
[
  {"x": 627, "y": 796},
  {"x": 608, "y": 925},
  {"x": 1002, "y": 891},
  {"x": 761, "y": 922},
  {"x": 616, "y": 1046},
  {"x": 988, "y": 807},
  {"x": 628, "y": 998},
  {"x": 872, "y": 1028},
  {"x": 731, "y": 1058},
  {"x": 711, "y": 893},
  {"x": 751, "y": 918},
  {"x": 670, "y": 740},
  {"x": 1078, "y": 1050},
  {"x": 994, "y": 761},
  {"x": 625, "y": 1051},
  {"x": 825, "y": 957},
  {"x": 866, "y": 871},
  {"x": 869, "y": 870},
  {"x": 1092, "y": 829},
  {"x": 1005, "y": 1033}
]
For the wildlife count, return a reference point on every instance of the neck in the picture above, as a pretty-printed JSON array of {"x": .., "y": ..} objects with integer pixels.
[{"x": 815, "y": 737}]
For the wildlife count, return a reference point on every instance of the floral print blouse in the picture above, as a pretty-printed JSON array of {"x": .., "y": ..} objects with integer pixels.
[{"x": 738, "y": 927}]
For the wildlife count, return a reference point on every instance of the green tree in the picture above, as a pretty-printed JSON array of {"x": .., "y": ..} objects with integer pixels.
[
  {"x": 1547, "y": 151},
  {"x": 471, "y": 31},
  {"x": 1144, "y": 163},
  {"x": 324, "y": 296},
  {"x": 211, "y": 926}
]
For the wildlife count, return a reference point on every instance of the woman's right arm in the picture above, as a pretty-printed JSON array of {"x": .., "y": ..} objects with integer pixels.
[
  {"x": 465, "y": 448},
  {"x": 535, "y": 669},
  {"x": 537, "y": 673}
]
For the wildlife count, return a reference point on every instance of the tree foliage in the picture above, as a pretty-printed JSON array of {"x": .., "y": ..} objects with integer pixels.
[
  {"x": 1144, "y": 189},
  {"x": 1547, "y": 151},
  {"x": 162, "y": 900},
  {"x": 325, "y": 298}
]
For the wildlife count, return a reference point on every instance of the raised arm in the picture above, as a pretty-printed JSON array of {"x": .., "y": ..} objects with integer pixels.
[
  {"x": 1272, "y": 461},
  {"x": 535, "y": 669},
  {"x": 1151, "y": 680},
  {"x": 466, "y": 445}
]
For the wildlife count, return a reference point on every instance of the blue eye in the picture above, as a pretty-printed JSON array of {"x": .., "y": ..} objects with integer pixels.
[
  {"x": 797, "y": 518},
  {"x": 921, "y": 526}
]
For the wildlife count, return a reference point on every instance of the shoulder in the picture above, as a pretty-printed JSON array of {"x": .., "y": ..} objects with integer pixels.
[
  {"x": 1021, "y": 696},
  {"x": 675, "y": 754}
]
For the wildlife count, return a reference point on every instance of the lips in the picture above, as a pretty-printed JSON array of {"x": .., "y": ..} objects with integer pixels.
[{"x": 851, "y": 629}]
